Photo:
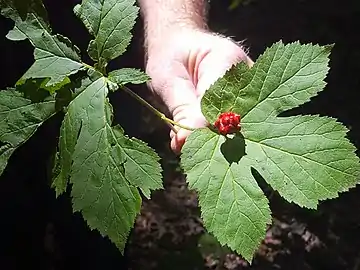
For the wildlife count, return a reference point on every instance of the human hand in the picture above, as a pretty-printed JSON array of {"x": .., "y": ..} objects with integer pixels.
[{"x": 182, "y": 67}]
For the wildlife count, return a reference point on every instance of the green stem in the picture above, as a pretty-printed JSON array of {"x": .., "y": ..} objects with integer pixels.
[
  {"x": 87, "y": 65},
  {"x": 97, "y": 67},
  {"x": 168, "y": 121}
]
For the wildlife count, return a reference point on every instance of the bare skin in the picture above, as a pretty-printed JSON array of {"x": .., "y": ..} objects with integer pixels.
[{"x": 183, "y": 58}]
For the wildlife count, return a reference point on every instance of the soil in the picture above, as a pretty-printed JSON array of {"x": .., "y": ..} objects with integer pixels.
[{"x": 39, "y": 231}]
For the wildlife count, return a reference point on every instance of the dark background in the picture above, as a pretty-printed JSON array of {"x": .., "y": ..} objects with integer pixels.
[{"x": 38, "y": 231}]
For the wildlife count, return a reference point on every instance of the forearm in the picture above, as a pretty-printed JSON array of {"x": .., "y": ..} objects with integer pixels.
[{"x": 170, "y": 16}]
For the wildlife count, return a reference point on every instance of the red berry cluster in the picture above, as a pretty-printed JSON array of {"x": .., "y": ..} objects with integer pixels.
[{"x": 228, "y": 122}]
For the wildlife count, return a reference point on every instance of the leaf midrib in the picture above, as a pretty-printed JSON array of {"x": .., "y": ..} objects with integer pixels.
[{"x": 101, "y": 51}]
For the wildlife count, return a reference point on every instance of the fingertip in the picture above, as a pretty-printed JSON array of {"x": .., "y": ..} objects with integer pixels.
[
  {"x": 176, "y": 145},
  {"x": 178, "y": 141}
]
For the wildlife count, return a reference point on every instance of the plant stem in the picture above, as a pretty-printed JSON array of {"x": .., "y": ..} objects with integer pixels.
[
  {"x": 168, "y": 121},
  {"x": 96, "y": 67},
  {"x": 87, "y": 66}
]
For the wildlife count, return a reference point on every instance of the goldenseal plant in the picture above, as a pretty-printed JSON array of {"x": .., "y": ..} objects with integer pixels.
[{"x": 305, "y": 158}]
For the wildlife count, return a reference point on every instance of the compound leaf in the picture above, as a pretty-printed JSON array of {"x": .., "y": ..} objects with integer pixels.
[
  {"x": 110, "y": 22},
  {"x": 104, "y": 166},
  {"x": 91, "y": 156},
  {"x": 20, "y": 117},
  {"x": 305, "y": 158},
  {"x": 55, "y": 56}
]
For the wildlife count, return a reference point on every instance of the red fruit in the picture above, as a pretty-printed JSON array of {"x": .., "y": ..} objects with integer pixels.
[{"x": 228, "y": 122}]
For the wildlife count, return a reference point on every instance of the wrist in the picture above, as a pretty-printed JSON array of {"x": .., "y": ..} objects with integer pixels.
[
  {"x": 179, "y": 36},
  {"x": 164, "y": 19}
]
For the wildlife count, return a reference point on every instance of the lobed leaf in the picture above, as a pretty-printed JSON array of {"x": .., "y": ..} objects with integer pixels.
[
  {"x": 305, "y": 158},
  {"x": 55, "y": 56},
  {"x": 104, "y": 166},
  {"x": 110, "y": 22}
]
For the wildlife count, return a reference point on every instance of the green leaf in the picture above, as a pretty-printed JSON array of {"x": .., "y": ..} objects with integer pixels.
[
  {"x": 20, "y": 10},
  {"x": 282, "y": 78},
  {"x": 34, "y": 89},
  {"x": 233, "y": 207},
  {"x": 142, "y": 166},
  {"x": 55, "y": 56},
  {"x": 110, "y": 22},
  {"x": 57, "y": 61},
  {"x": 58, "y": 183},
  {"x": 16, "y": 35},
  {"x": 6, "y": 151},
  {"x": 305, "y": 158},
  {"x": 128, "y": 75},
  {"x": 20, "y": 118},
  {"x": 104, "y": 166}
]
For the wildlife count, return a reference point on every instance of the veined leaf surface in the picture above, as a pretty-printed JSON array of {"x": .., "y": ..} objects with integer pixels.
[
  {"x": 55, "y": 56},
  {"x": 105, "y": 167},
  {"x": 110, "y": 22},
  {"x": 304, "y": 158}
]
